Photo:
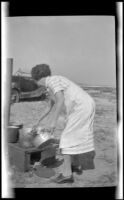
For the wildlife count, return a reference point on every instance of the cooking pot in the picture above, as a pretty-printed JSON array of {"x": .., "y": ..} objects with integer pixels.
[
  {"x": 42, "y": 137},
  {"x": 34, "y": 138}
]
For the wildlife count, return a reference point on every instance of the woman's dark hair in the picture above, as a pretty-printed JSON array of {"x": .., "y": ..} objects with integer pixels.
[{"x": 40, "y": 71}]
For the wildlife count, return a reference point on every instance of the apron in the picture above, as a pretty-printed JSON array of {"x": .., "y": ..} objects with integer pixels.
[{"x": 77, "y": 136}]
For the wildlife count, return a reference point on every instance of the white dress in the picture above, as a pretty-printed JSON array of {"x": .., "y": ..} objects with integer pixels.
[{"x": 77, "y": 137}]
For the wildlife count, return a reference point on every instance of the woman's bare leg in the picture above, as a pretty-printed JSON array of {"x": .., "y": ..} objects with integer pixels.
[{"x": 66, "y": 167}]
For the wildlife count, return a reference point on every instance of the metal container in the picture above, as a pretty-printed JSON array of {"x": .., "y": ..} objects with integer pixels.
[
  {"x": 41, "y": 138},
  {"x": 34, "y": 138},
  {"x": 17, "y": 125},
  {"x": 13, "y": 134}
]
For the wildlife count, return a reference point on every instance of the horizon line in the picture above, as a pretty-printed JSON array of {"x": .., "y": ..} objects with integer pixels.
[{"x": 88, "y": 85}]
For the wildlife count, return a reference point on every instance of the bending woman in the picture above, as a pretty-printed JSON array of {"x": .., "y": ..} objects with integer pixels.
[{"x": 76, "y": 142}]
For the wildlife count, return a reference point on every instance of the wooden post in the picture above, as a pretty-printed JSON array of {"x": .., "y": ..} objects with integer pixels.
[{"x": 9, "y": 71}]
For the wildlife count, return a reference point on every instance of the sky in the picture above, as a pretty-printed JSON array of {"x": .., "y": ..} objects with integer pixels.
[{"x": 82, "y": 48}]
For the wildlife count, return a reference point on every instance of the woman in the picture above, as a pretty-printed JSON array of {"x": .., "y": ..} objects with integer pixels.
[{"x": 76, "y": 142}]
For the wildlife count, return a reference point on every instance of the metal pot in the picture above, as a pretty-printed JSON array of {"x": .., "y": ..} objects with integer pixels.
[
  {"x": 29, "y": 139},
  {"x": 41, "y": 138}
]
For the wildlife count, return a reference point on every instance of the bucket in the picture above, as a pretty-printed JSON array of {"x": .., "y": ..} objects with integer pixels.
[
  {"x": 13, "y": 134},
  {"x": 20, "y": 126}
]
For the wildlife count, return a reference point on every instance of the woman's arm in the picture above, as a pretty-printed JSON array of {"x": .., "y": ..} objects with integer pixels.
[{"x": 58, "y": 106}]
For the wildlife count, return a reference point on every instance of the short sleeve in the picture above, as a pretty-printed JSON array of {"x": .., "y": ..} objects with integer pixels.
[{"x": 55, "y": 84}]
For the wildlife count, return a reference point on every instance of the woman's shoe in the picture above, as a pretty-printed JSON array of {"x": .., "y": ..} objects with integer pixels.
[
  {"x": 77, "y": 169},
  {"x": 62, "y": 179}
]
